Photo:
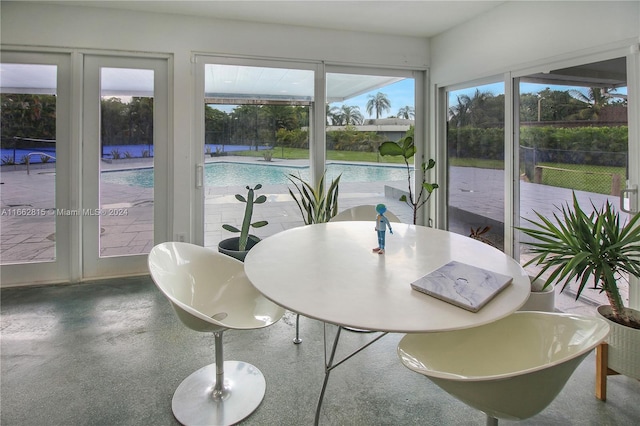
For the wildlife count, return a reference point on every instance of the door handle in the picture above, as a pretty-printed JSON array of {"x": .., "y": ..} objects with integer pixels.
[
  {"x": 199, "y": 175},
  {"x": 632, "y": 197}
]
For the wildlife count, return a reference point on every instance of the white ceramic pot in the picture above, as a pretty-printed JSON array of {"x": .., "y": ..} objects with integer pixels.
[
  {"x": 624, "y": 344},
  {"x": 540, "y": 300}
]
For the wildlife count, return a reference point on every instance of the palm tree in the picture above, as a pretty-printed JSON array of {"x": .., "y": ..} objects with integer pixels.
[
  {"x": 459, "y": 115},
  {"x": 407, "y": 113},
  {"x": 378, "y": 102},
  {"x": 351, "y": 115},
  {"x": 595, "y": 99},
  {"x": 334, "y": 116}
]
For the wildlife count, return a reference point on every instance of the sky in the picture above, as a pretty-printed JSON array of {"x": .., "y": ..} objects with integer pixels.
[
  {"x": 401, "y": 94},
  {"x": 498, "y": 89}
]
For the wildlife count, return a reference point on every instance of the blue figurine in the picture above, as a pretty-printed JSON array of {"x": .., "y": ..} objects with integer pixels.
[{"x": 381, "y": 226}]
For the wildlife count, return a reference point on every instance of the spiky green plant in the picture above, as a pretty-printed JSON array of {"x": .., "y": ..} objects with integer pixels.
[
  {"x": 406, "y": 149},
  {"x": 581, "y": 247},
  {"x": 316, "y": 205},
  {"x": 246, "y": 221}
]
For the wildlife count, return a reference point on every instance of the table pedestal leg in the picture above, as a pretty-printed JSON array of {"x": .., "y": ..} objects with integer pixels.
[{"x": 329, "y": 365}]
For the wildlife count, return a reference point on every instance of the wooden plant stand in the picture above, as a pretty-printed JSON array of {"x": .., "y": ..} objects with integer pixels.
[{"x": 602, "y": 371}]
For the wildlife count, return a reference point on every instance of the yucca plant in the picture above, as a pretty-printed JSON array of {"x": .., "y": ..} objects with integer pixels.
[
  {"x": 583, "y": 247},
  {"x": 316, "y": 205}
]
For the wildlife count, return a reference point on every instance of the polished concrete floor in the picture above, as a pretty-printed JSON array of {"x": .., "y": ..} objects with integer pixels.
[{"x": 112, "y": 353}]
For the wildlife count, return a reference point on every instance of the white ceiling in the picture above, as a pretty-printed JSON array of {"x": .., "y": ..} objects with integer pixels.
[{"x": 417, "y": 18}]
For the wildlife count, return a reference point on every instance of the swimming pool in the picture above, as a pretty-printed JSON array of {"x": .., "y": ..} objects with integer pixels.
[{"x": 231, "y": 174}]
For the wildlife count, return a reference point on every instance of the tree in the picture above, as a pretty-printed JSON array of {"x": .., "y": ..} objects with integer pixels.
[
  {"x": 351, "y": 115},
  {"x": 379, "y": 103},
  {"x": 592, "y": 102},
  {"x": 28, "y": 115},
  {"x": 407, "y": 113},
  {"x": 482, "y": 110},
  {"x": 459, "y": 113}
]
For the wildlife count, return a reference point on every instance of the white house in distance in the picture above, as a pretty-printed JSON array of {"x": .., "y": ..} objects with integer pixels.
[{"x": 390, "y": 128}]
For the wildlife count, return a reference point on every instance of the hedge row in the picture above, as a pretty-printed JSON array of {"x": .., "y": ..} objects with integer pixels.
[{"x": 606, "y": 145}]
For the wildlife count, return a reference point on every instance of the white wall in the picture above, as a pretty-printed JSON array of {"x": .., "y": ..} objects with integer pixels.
[
  {"x": 519, "y": 34},
  {"x": 180, "y": 36},
  {"x": 87, "y": 27}
]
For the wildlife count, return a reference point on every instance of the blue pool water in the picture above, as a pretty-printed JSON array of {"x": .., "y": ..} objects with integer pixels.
[{"x": 231, "y": 174}]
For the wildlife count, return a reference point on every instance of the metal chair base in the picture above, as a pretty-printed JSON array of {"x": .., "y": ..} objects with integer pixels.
[
  {"x": 196, "y": 403},
  {"x": 297, "y": 340}
]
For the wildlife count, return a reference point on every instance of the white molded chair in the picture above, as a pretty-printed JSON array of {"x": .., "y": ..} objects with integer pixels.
[
  {"x": 510, "y": 369},
  {"x": 209, "y": 291},
  {"x": 363, "y": 213}
]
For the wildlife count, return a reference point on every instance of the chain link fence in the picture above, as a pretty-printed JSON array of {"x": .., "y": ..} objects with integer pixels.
[{"x": 600, "y": 172}]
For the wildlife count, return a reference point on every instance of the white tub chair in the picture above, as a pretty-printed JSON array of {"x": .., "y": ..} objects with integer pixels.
[
  {"x": 210, "y": 292},
  {"x": 510, "y": 369},
  {"x": 364, "y": 212}
]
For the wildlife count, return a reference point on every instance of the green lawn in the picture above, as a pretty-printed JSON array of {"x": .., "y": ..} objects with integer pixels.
[{"x": 589, "y": 178}]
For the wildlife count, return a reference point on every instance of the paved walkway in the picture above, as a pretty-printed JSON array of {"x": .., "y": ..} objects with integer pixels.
[{"x": 27, "y": 224}]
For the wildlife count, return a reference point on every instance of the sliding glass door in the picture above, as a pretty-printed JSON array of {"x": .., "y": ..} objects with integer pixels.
[
  {"x": 475, "y": 149},
  {"x": 257, "y": 130},
  {"x": 573, "y": 138},
  {"x": 267, "y": 122},
  {"x": 363, "y": 111}
]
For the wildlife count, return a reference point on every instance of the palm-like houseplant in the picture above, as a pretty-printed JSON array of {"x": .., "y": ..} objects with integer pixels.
[
  {"x": 406, "y": 149},
  {"x": 594, "y": 247}
]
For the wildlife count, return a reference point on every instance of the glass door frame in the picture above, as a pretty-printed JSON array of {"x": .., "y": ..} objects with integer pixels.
[
  {"x": 317, "y": 119},
  {"x": 442, "y": 159},
  {"x": 420, "y": 117},
  {"x": 512, "y": 192},
  {"x": 316, "y": 137},
  {"x": 632, "y": 55},
  {"x": 94, "y": 266},
  {"x": 60, "y": 269}
]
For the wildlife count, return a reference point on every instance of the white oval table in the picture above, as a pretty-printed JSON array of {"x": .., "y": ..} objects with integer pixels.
[{"x": 329, "y": 272}]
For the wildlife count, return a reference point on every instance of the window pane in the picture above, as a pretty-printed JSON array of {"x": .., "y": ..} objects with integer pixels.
[
  {"x": 363, "y": 111},
  {"x": 475, "y": 146},
  {"x": 573, "y": 137},
  {"x": 28, "y": 154},
  {"x": 126, "y": 166},
  {"x": 257, "y": 131}
]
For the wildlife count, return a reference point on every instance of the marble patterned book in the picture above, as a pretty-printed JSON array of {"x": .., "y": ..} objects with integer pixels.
[{"x": 463, "y": 285}]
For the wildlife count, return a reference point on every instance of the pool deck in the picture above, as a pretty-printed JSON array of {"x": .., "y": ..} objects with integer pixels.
[{"x": 31, "y": 236}]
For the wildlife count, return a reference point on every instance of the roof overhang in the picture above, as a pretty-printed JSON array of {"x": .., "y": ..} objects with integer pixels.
[{"x": 224, "y": 84}]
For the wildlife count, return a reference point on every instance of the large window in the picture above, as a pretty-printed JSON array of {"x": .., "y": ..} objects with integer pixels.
[
  {"x": 261, "y": 126},
  {"x": 573, "y": 137},
  {"x": 476, "y": 163},
  {"x": 257, "y": 130},
  {"x": 363, "y": 111}
]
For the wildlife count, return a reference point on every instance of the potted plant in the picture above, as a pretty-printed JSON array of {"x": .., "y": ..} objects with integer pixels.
[
  {"x": 597, "y": 248},
  {"x": 406, "y": 149},
  {"x": 239, "y": 246},
  {"x": 316, "y": 205}
]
